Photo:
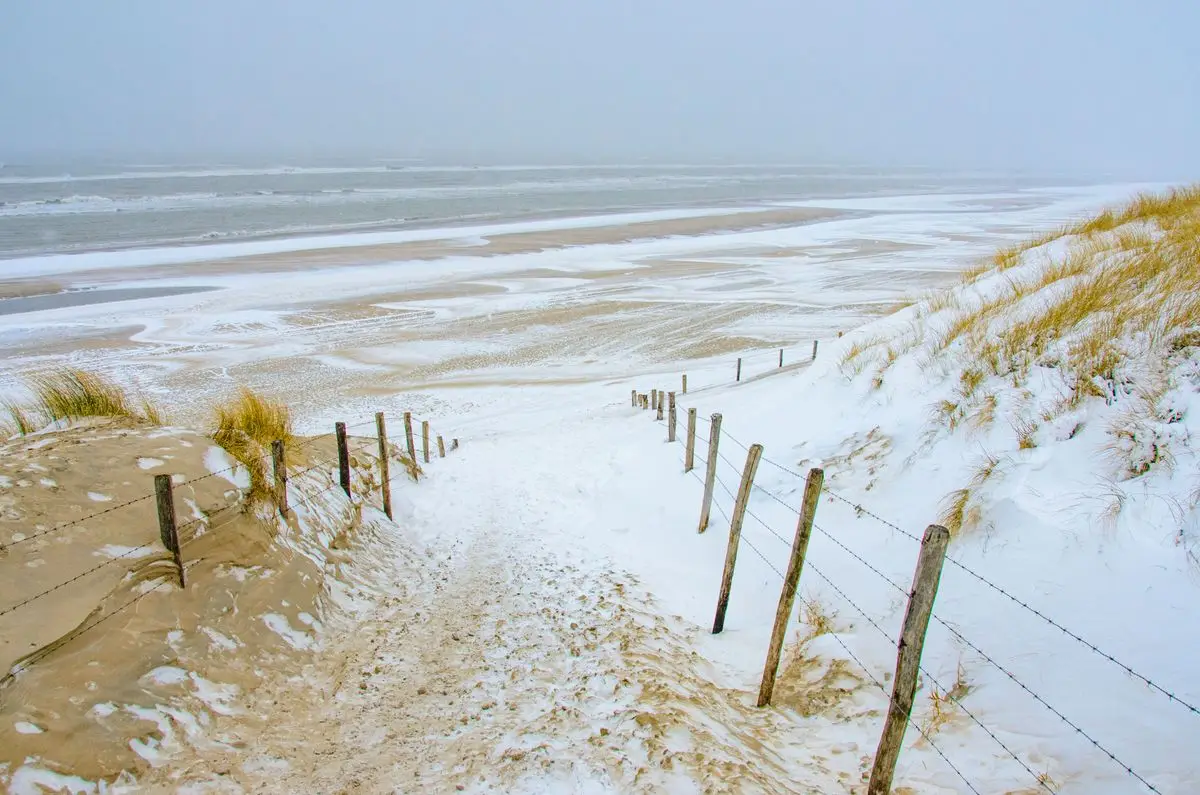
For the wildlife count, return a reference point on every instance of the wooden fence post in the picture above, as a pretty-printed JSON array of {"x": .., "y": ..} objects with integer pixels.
[
  {"x": 791, "y": 581},
  {"x": 735, "y": 533},
  {"x": 653, "y": 399},
  {"x": 739, "y": 369},
  {"x": 454, "y": 444},
  {"x": 425, "y": 440},
  {"x": 814, "y": 358},
  {"x": 167, "y": 530},
  {"x": 633, "y": 399},
  {"x": 710, "y": 475},
  {"x": 343, "y": 456},
  {"x": 908, "y": 659},
  {"x": 441, "y": 447},
  {"x": 408, "y": 437},
  {"x": 661, "y": 399},
  {"x": 280, "y": 467},
  {"x": 689, "y": 450},
  {"x": 781, "y": 357},
  {"x": 384, "y": 463},
  {"x": 685, "y": 383},
  {"x": 670, "y": 416}
]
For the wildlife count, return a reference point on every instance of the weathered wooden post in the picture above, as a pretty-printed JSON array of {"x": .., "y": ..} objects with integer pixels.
[
  {"x": 791, "y": 581},
  {"x": 661, "y": 399},
  {"x": 781, "y": 357},
  {"x": 343, "y": 456},
  {"x": 739, "y": 369},
  {"x": 710, "y": 475},
  {"x": 653, "y": 399},
  {"x": 425, "y": 439},
  {"x": 384, "y": 463},
  {"x": 814, "y": 358},
  {"x": 408, "y": 437},
  {"x": 670, "y": 416},
  {"x": 689, "y": 449},
  {"x": 633, "y": 398},
  {"x": 167, "y": 530},
  {"x": 280, "y": 471},
  {"x": 685, "y": 383},
  {"x": 908, "y": 659},
  {"x": 441, "y": 447},
  {"x": 454, "y": 444},
  {"x": 735, "y": 533}
]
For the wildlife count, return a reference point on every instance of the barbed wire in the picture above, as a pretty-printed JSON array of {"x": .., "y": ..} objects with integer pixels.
[
  {"x": 45, "y": 651},
  {"x": 975, "y": 719},
  {"x": 74, "y": 522},
  {"x": 854, "y": 657},
  {"x": 901, "y": 589},
  {"x": 76, "y": 578},
  {"x": 860, "y": 510}
]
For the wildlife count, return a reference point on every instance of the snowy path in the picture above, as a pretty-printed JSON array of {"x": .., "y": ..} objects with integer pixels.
[{"x": 519, "y": 660}]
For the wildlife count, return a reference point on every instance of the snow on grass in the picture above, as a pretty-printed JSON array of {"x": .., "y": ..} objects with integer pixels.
[
  {"x": 97, "y": 497},
  {"x": 25, "y": 727},
  {"x": 149, "y": 463}
]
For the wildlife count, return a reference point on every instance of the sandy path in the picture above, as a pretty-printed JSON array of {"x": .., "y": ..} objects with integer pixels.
[{"x": 515, "y": 663}]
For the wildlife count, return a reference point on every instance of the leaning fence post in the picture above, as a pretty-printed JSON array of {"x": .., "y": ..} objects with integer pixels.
[
  {"x": 710, "y": 475},
  {"x": 739, "y": 369},
  {"x": 689, "y": 449},
  {"x": 685, "y": 383},
  {"x": 791, "y": 580},
  {"x": 441, "y": 447},
  {"x": 425, "y": 440},
  {"x": 167, "y": 530},
  {"x": 408, "y": 437},
  {"x": 343, "y": 456},
  {"x": 384, "y": 475},
  {"x": 277, "y": 463},
  {"x": 670, "y": 416},
  {"x": 633, "y": 398},
  {"x": 814, "y": 358},
  {"x": 908, "y": 660},
  {"x": 735, "y": 534}
]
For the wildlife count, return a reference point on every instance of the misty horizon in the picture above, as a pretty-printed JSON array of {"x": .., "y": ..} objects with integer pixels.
[{"x": 1072, "y": 89}]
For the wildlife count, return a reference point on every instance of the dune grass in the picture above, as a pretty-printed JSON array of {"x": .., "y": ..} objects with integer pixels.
[
  {"x": 245, "y": 426},
  {"x": 69, "y": 394}
]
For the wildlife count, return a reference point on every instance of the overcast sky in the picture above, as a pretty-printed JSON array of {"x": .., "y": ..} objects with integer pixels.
[{"x": 1070, "y": 85}]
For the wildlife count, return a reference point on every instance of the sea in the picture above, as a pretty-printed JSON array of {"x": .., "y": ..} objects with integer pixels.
[{"x": 64, "y": 207}]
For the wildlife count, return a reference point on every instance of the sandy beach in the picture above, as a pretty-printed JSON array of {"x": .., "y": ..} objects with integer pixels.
[{"x": 521, "y": 304}]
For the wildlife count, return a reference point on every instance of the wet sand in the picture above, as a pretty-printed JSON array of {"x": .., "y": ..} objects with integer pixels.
[{"x": 38, "y": 303}]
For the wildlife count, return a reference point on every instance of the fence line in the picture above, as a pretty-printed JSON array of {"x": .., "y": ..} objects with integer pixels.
[
  {"x": 811, "y": 605},
  {"x": 946, "y": 693},
  {"x": 204, "y": 521},
  {"x": 861, "y": 510}
]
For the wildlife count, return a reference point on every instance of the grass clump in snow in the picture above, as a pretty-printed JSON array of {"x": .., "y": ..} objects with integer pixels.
[
  {"x": 1102, "y": 312},
  {"x": 245, "y": 426},
  {"x": 69, "y": 394}
]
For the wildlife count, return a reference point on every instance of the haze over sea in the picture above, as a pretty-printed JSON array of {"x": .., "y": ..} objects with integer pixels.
[{"x": 60, "y": 207}]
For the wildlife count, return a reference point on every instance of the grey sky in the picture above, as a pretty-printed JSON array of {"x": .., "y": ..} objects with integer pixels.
[{"x": 1070, "y": 85}]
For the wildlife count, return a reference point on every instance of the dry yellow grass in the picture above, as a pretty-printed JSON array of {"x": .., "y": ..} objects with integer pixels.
[
  {"x": 1126, "y": 282},
  {"x": 959, "y": 508},
  {"x": 245, "y": 426},
  {"x": 69, "y": 394}
]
